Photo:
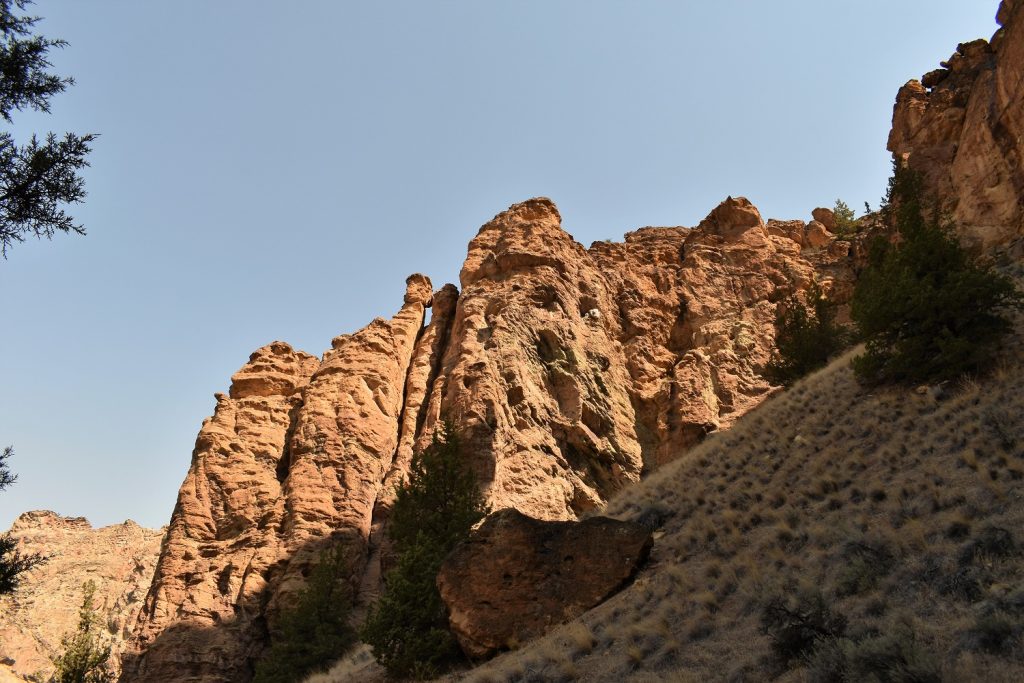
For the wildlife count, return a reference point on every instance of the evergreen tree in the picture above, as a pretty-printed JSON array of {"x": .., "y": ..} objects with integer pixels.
[
  {"x": 85, "y": 656},
  {"x": 846, "y": 223},
  {"x": 433, "y": 511},
  {"x": 926, "y": 309},
  {"x": 807, "y": 336},
  {"x": 37, "y": 178},
  {"x": 13, "y": 562},
  {"x": 315, "y": 631}
]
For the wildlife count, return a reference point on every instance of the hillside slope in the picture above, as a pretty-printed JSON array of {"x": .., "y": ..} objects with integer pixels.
[{"x": 904, "y": 508}]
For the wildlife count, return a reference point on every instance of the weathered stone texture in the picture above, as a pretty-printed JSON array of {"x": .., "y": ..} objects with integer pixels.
[
  {"x": 516, "y": 576},
  {"x": 120, "y": 559},
  {"x": 962, "y": 128},
  {"x": 569, "y": 373}
]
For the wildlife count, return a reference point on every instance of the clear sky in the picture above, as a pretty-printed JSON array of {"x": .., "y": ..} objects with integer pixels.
[{"x": 272, "y": 170}]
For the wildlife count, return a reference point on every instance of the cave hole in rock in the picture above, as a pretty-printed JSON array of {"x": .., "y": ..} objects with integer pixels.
[
  {"x": 224, "y": 579},
  {"x": 588, "y": 304},
  {"x": 546, "y": 297}
]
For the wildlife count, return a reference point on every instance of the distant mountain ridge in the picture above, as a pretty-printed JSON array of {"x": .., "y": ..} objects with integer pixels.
[{"x": 119, "y": 558}]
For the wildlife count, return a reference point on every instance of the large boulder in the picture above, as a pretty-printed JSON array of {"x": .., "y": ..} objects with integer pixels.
[
  {"x": 817, "y": 235},
  {"x": 517, "y": 576},
  {"x": 826, "y": 217}
]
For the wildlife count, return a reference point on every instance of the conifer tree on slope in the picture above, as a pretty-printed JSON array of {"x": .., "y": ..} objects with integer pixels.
[
  {"x": 807, "y": 336},
  {"x": 433, "y": 510},
  {"x": 315, "y": 630},
  {"x": 85, "y": 654},
  {"x": 926, "y": 309}
]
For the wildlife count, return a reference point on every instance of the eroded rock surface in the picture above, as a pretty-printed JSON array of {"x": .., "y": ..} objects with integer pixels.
[
  {"x": 695, "y": 313},
  {"x": 533, "y": 376},
  {"x": 294, "y": 455},
  {"x": 517, "y": 576},
  {"x": 568, "y": 371},
  {"x": 120, "y": 559},
  {"x": 962, "y": 127}
]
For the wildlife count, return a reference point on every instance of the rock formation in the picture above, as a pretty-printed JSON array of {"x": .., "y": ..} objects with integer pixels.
[
  {"x": 516, "y": 576},
  {"x": 295, "y": 455},
  {"x": 569, "y": 373},
  {"x": 962, "y": 128},
  {"x": 120, "y": 559}
]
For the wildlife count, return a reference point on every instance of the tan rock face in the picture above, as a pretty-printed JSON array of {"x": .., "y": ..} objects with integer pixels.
[
  {"x": 120, "y": 559},
  {"x": 532, "y": 375},
  {"x": 826, "y": 217},
  {"x": 962, "y": 128},
  {"x": 817, "y": 235},
  {"x": 696, "y": 314},
  {"x": 516, "y": 576},
  {"x": 225, "y": 535},
  {"x": 569, "y": 372},
  {"x": 296, "y": 454}
]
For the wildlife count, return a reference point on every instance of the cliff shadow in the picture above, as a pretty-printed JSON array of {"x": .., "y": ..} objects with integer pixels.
[{"x": 228, "y": 650}]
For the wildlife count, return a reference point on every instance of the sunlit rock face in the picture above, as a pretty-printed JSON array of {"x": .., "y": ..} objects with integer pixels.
[
  {"x": 119, "y": 559},
  {"x": 569, "y": 373},
  {"x": 962, "y": 128},
  {"x": 295, "y": 455}
]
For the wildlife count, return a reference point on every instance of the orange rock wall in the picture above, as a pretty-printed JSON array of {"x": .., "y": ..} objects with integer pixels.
[
  {"x": 962, "y": 127},
  {"x": 570, "y": 373}
]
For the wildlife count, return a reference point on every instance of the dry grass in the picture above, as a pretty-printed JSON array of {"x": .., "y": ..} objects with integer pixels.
[
  {"x": 889, "y": 503},
  {"x": 358, "y": 665},
  {"x": 883, "y": 500}
]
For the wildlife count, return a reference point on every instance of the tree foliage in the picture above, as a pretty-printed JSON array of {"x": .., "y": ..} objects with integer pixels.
[
  {"x": 433, "y": 511},
  {"x": 927, "y": 310},
  {"x": 846, "y": 223},
  {"x": 85, "y": 653},
  {"x": 38, "y": 178},
  {"x": 807, "y": 336},
  {"x": 315, "y": 631},
  {"x": 13, "y": 562}
]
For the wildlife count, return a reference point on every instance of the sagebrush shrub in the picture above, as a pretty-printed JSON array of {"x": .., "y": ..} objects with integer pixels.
[{"x": 795, "y": 625}]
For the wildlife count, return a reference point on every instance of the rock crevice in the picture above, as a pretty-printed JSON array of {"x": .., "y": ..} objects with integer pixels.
[
  {"x": 962, "y": 128},
  {"x": 569, "y": 372}
]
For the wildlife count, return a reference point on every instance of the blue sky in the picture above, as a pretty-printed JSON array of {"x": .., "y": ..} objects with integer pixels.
[{"x": 274, "y": 171}]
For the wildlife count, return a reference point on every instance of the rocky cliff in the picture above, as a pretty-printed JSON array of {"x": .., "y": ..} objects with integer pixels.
[
  {"x": 120, "y": 559},
  {"x": 569, "y": 371},
  {"x": 962, "y": 127}
]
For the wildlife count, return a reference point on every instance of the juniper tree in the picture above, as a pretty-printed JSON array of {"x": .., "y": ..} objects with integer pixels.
[
  {"x": 846, "y": 223},
  {"x": 38, "y": 178},
  {"x": 433, "y": 511},
  {"x": 13, "y": 562},
  {"x": 926, "y": 309},
  {"x": 807, "y": 336},
  {"x": 85, "y": 653},
  {"x": 315, "y": 631}
]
